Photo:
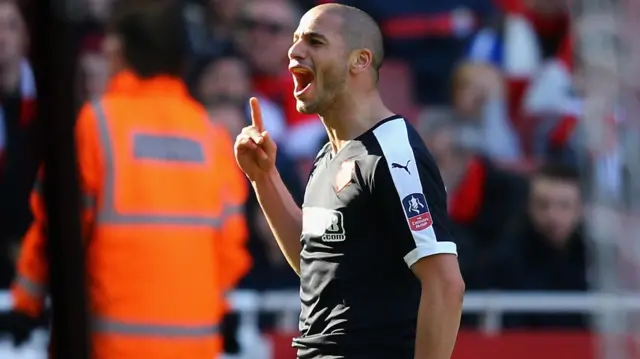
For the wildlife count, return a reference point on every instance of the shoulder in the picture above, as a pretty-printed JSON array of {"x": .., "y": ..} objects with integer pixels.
[
  {"x": 97, "y": 108},
  {"x": 91, "y": 111},
  {"x": 401, "y": 151}
]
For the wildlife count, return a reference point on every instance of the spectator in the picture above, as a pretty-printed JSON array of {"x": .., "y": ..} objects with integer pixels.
[
  {"x": 93, "y": 68},
  {"x": 479, "y": 100},
  {"x": 563, "y": 92},
  {"x": 548, "y": 251},
  {"x": 225, "y": 80},
  {"x": 19, "y": 153},
  {"x": 510, "y": 44},
  {"x": 265, "y": 32},
  {"x": 483, "y": 199},
  {"x": 210, "y": 25}
]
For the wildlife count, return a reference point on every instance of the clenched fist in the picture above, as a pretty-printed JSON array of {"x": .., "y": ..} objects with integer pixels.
[{"x": 254, "y": 149}]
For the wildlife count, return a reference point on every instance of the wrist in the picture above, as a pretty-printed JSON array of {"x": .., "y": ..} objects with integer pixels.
[{"x": 264, "y": 177}]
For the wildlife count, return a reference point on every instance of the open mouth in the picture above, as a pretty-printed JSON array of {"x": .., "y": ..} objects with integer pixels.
[{"x": 303, "y": 79}]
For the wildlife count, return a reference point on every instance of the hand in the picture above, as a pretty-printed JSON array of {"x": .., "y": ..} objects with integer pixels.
[{"x": 255, "y": 150}]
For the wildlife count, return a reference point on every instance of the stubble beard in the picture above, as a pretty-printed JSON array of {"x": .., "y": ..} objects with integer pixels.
[
  {"x": 328, "y": 95},
  {"x": 307, "y": 108}
]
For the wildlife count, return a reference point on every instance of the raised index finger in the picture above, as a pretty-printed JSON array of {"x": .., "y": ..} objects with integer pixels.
[{"x": 256, "y": 114}]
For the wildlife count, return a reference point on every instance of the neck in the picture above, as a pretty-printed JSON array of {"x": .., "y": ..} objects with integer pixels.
[
  {"x": 10, "y": 77},
  {"x": 350, "y": 117}
]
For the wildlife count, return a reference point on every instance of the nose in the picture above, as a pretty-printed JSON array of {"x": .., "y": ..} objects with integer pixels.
[{"x": 296, "y": 51}]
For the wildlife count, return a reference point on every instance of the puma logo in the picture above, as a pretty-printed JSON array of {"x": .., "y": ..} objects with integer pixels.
[{"x": 405, "y": 167}]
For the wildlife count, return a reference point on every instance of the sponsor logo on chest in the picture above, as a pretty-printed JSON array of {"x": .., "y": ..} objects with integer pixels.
[{"x": 323, "y": 223}]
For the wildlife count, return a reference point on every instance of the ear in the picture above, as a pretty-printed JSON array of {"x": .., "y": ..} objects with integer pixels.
[{"x": 360, "y": 61}]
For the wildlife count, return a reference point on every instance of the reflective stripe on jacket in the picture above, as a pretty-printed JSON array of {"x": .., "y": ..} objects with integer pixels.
[{"x": 165, "y": 238}]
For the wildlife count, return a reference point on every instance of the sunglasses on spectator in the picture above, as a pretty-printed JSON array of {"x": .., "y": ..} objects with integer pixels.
[{"x": 271, "y": 27}]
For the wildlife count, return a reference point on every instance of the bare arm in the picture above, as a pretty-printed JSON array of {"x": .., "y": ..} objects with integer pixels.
[
  {"x": 256, "y": 156},
  {"x": 440, "y": 306},
  {"x": 283, "y": 215}
]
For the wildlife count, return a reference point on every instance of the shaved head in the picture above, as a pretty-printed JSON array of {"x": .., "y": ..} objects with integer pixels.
[{"x": 359, "y": 30}]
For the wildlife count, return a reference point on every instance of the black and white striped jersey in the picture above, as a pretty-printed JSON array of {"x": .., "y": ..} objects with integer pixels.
[{"x": 370, "y": 212}]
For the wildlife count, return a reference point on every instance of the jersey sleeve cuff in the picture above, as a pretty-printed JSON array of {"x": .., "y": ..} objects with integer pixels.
[{"x": 422, "y": 251}]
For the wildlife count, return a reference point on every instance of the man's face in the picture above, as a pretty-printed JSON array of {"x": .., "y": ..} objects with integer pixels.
[
  {"x": 264, "y": 34},
  {"x": 12, "y": 33},
  {"x": 225, "y": 80},
  {"x": 555, "y": 208},
  {"x": 96, "y": 73},
  {"x": 112, "y": 49},
  {"x": 318, "y": 61}
]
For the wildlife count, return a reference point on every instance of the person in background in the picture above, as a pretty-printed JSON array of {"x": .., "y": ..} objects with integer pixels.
[
  {"x": 548, "y": 250},
  {"x": 19, "y": 137},
  {"x": 93, "y": 68},
  {"x": 479, "y": 100},
  {"x": 210, "y": 25},
  {"x": 483, "y": 199},
  {"x": 223, "y": 85},
  {"x": 159, "y": 262},
  {"x": 509, "y": 43}
]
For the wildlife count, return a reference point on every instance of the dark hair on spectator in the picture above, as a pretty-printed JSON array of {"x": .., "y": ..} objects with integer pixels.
[
  {"x": 558, "y": 171},
  {"x": 153, "y": 36}
]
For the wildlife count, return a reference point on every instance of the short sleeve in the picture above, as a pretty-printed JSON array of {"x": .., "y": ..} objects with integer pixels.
[{"x": 412, "y": 199}]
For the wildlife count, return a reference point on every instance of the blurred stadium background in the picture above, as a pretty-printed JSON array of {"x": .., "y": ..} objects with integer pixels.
[{"x": 531, "y": 108}]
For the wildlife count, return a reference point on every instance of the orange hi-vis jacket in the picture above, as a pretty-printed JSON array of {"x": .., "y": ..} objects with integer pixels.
[{"x": 162, "y": 220}]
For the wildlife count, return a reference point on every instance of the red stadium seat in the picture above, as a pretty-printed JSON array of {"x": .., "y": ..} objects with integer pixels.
[{"x": 508, "y": 345}]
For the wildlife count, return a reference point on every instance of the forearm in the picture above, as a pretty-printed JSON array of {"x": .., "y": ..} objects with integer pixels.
[
  {"x": 283, "y": 215},
  {"x": 438, "y": 322}
]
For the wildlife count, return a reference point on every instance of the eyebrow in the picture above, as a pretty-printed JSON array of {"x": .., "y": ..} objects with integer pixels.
[{"x": 310, "y": 34}]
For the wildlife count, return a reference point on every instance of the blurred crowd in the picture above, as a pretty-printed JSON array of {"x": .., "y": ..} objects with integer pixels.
[{"x": 491, "y": 85}]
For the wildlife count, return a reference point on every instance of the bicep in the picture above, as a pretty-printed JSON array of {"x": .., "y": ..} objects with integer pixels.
[{"x": 414, "y": 210}]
